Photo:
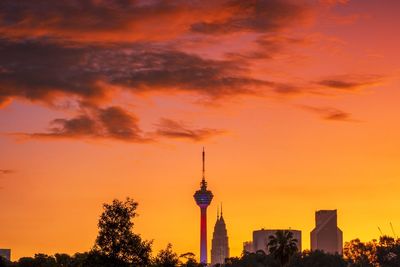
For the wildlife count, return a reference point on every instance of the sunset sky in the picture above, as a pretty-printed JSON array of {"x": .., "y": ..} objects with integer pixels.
[{"x": 296, "y": 102}]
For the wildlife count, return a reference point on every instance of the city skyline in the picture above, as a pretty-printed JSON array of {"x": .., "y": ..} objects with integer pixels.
[{"x": 296, "y": 102}]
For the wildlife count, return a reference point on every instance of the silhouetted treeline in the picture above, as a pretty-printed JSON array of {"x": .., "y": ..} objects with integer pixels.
[
  {"x": 118, "y": 246},
  {"x": 304, "y": 259},
  {"x": 94, "y": 259},
  {"x": 385, "y": 252},
  {"x": 382, "y": 253}
]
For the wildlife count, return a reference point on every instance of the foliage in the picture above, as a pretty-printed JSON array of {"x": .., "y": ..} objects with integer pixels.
[
  {"x": 305, "y": 259},
  {"x": 5, "y": 263},
  {"x": 40, "y": 260},
  {"x": 385, "y": 253},
  {"x": 166, "y": 258},
  {"x": 190, "y": 260},
  {"x": 388, "y": 251},
  {"x": 282, "y": 246},
  {"x": 258, "y": 259},
  {"x": 116, "y": 239},
  {"x": 317, "y": 259},
  {"x": 361, "y": 254}
]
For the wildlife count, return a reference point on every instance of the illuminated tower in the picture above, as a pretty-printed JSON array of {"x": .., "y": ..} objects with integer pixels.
[
  {"x": 219, "y": 248},
  {"x": 203, "y": 199}
]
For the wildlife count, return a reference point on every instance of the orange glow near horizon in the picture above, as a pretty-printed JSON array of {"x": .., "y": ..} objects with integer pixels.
[{"x": 306, "y": 118}]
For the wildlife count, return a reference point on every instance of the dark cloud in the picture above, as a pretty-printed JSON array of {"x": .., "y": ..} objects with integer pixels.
[
  {"x": 83, "y": 49},
  {"x": 88, "y": 20},
  {"x": 39, "y": 70},
  {"x": 329, "y": 113},
  {"x": 254, "y": 16},
  {"x": 173, "y": 129},
  {"x": 109, "y": 123},
  {"x": 82, "y": 125},
  {"x": 42, "y": 70},
  {"x": 115, "y": 123},
  {"x": 119, "y": 124},
  {"x": 174, "y": 70}
]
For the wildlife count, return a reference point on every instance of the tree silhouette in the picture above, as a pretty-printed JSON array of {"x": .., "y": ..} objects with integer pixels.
[
  {"x": 63, "y": 260},
  {"x": 317, "y": 258},
  {"x": 190, "y": 260},
  {"x": 388, "y": 251},
  {"x": 361, "y": 254},
  {"x": 166, "y": 258},
  {"x": 40, "y": 260},
  {"x": 116, "y": 239},
  {"x": 4, "y": 262},
  {"x": 282, "y": 246}
]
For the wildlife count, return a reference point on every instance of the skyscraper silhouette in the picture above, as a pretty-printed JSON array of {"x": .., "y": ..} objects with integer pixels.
[
  {"x": 326, "y": 235},
  {"x": 203, "y": 199},
  {"x": 219, "y": 245}
]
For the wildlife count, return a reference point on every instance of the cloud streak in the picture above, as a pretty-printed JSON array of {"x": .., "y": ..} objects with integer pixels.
[
  {"x": 115, "y": 123},
  {"x": 105, "y": 123},
  {"x": 351, "y": 82},
  {"x": 254, "y": 16},
  {"x": 93, "y": 20},
  {"x": 178, "y": 130},
  {"x": 329, "y": 113}
]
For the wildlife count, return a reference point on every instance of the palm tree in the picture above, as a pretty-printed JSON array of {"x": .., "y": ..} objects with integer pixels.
[{"x": 282, "y": 246}]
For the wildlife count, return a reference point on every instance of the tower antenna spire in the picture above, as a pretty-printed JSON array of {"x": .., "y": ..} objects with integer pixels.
[
  {"x": 221, "y": 209},
  {"x": 204, "y": 163}
]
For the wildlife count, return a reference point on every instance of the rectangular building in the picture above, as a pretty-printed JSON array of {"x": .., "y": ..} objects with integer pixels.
[
  {"x": 5, "y": 253},
  {"x": 326, "y": 235}
]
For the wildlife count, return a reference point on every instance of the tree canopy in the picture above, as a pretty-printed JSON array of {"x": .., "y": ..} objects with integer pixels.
[
  {"x": 116, "y": 239},
  {"x": 282, "y": 246}
]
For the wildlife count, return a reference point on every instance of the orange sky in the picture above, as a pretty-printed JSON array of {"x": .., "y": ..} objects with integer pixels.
[{"x": 296, "y": 103}]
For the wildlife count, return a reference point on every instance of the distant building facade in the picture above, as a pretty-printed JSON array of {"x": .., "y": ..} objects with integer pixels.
[
  {"x": 326, "y": 235},
  {"x": 261, "y": 239},
  {"x": 5, "y": 253},
  {"x": 219, "y": 245},
  {"x": 248, "y": 247}
]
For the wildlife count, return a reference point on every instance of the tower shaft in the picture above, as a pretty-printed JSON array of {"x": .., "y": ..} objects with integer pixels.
[{"x": 203, "y": 235}]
